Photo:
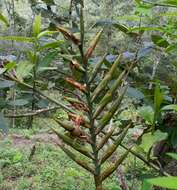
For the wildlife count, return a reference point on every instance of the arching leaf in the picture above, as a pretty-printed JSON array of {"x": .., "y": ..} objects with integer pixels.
[
  {"x": 160, "y": 41},
  {"x": 4, "y": 20},
  {"x": 165, "y": 182}
]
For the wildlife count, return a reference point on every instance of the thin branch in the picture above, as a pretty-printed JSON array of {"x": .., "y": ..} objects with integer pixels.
[
  {"x": 42, "y": 94},
  {"x": 34, "y": 113}
]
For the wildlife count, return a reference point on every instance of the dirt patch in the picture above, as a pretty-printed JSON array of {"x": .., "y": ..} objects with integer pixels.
[{"x": 20, "y": 141}]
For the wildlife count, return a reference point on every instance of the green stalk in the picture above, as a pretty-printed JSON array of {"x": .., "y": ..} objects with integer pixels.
[{"x": 97, "y": 173}]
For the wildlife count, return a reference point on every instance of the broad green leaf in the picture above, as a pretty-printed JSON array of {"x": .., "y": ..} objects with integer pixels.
[
  {"x": 149, "y": 139},
  {"x": 143, "y": 9},
  {"x": 158, "y": 99},
  {"x": 172, "y": 107},
  {"x": 23, "y": 69},
  {"x": 10, "y": 65},
  {"x": 45, "y": 62},
  {"x": 134, "y": 93},
  {"x": 171, "y": 49},
  {"x": 159, "y": 41},
  {"x": 6, "y": 84},
  {"x": 165, "y": 182},
  {"x": 172, "y": 155},
  {"x": 147, "y": 113},
  {"x": 37, "y": 25},
  {"x": 51, "y": 45},
  {"x": 4, "y": 20},
  {"x": 18, "y": 102},
  {"x": 18, "y": 39},
  {"x": 170, "y": 2},
  {"x": 3, "y": 124},
  {"x": 121, "y": 27},
  {"x": 146, "y": 186},
  {"x": 146, "y": 29}
]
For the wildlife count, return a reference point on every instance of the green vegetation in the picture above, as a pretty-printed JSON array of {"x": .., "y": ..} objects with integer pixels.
[{"x": 88, "y": 95}]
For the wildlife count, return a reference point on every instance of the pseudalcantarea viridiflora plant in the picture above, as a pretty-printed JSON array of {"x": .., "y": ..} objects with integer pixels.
[{"x": 87, "y": 129}]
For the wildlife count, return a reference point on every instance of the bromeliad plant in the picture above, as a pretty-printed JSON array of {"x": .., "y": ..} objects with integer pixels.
[
  {"x": 90, "y": 139},
  {"x": 91, "y": 112}
]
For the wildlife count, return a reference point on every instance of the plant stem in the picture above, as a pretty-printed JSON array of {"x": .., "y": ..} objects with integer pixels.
[
  {"x": 30, "y": 122},
  {"x": 97, "y": 175}
]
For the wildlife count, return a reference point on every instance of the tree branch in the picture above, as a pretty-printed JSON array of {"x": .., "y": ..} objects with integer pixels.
[{"x": 34, "y": 113}]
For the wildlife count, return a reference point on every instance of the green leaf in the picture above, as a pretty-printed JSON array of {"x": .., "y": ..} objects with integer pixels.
[
  {"x": 115, "y": 188},
  {"x": 121, "y": 27},
  {"x": 46, "y": 33},
  {"x": 37, "y": 25},
  {"x": 17, "y": 157},
  {"x": 3, "y": 123},
  {"x": 170, "y": 2},
  {"x": 147, "y": 113},
  {"x": 143, "y": 9},
  {"x": 18, "y": 102},
  {"x": 172, "y": 107},
  {"x": 18, "y": 39},
  {"x": 10, "y": 65},
  {"x": 160, "y": 41},
  {"x": 158, "y": 99},
  {"x": 51, "y": 45},
  {"x": 149, "y": 139},
  {"x": 146, "y": 29},
  {"x": 172, "y": 155},
  {"x": 6, "y": 84},
  {"x": 134, "y": 93},
  {"x": 138, "y": 1},
  {"x": 165, "y": 182},
  {"x": 146, "y": 186},
  {"x": 23, "y": 69},
  {"x": 4, "y": 20},
  {"x": 108, "y": 23},
  {"x": 45, "y": 62}
]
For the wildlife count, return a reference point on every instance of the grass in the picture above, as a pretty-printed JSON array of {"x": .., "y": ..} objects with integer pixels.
[{"x": 50, "y": 168}]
